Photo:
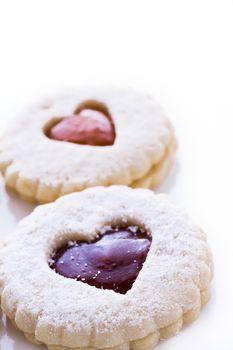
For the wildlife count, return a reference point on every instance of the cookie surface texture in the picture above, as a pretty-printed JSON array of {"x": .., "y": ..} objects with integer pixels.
[
  {"x": 65, "y": 313},
  {"x": 122, "y": 138}
]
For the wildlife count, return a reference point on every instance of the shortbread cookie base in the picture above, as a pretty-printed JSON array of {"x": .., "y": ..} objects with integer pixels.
[
  {"x": 168, "y": 292},
  {"x": 159, "y": 171},
  {"x": 36, "y": 193},
  {"x": 41, "y": 169},
  {"x": 146, "y": 343}
]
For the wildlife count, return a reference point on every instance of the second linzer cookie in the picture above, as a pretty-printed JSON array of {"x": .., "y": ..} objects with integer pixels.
[
  {"x": 86, "y": 138},
  {"x": 107, "y": 268}
]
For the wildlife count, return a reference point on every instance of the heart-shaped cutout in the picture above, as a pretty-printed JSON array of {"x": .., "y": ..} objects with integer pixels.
[
  {"x": 112, "y": 261},
  {"x": 90, "y": 124}
]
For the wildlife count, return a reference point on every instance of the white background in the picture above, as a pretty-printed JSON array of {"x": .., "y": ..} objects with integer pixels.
[{"x": 181, "y": 52}]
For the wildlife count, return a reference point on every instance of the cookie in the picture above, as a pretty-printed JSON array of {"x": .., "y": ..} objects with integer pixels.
[
  {"x": 108, "y": 268},
  {"x": 89, "y": 137}
]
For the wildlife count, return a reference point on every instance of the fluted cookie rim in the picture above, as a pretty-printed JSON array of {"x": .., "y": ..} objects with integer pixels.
[
  {"x": 177, "y": 280},
  {"x": 146, "y": 343},
  {"x": 28, "y": 157},
  {"x": 152, "y": 179}
]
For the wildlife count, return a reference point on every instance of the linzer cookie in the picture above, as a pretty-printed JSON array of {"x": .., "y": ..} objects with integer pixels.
[
  {"x": 109, "y": 268},
  {"x": 86, "y": 138}
]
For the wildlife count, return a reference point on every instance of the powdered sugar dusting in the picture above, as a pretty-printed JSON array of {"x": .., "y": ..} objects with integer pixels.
[
  {"x": 44, "y": 169},
  {"x": 63, "y": 311}
]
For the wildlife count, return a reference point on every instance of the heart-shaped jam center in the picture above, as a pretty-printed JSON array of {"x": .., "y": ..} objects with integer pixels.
[
  {"x": 87, "y": 127},
  {"x": 112, "y": 261}
]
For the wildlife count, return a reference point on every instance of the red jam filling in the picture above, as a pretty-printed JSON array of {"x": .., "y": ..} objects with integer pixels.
[
  {"x": 112, "y": 261},
  {"x": 88, "y": 127}
]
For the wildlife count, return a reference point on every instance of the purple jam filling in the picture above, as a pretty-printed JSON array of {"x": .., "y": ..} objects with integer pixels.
[{"x": 112, "y": 261}]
